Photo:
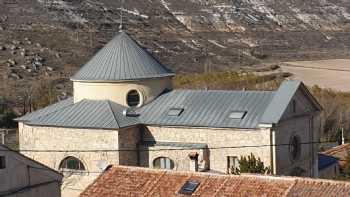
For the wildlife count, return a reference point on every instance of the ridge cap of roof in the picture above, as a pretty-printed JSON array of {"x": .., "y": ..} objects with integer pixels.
[{"x": 111, "y": 110}]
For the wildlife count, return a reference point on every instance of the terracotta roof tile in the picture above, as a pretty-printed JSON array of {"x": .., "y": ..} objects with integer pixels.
[
  {"x": 319, "y": 188},
  {"x": 135, "y": 181},
  {"x": 340, "y": 152}
]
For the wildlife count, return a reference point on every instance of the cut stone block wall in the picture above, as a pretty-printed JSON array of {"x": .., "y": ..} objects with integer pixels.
[{"x": 214, "y": 138}]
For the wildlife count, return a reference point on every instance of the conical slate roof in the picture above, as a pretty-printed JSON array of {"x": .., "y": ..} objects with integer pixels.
[{"x": 121, "y": 59}]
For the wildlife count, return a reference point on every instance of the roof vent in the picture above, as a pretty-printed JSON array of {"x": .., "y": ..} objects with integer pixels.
[
  {"x": 130, "y": 113},
  {"x": 175, "y": 111},
  {"x": 189, "y": 187},
  {"x": 237, "y": 114}
]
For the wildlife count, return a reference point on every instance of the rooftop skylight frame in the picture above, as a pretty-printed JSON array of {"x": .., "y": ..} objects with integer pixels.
[
  {"x": 238, "y": 115},
  {"x": 189, "y": 187},
  {"x": 175, "y": 111}
]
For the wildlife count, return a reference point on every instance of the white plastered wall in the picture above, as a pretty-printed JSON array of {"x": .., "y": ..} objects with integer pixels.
[{"x": 117, "y": 91}]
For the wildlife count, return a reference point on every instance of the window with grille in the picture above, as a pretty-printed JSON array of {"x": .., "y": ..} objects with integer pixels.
[
  {"x": 133, "y": 98},
  {"x": 163, "y": 163},
  {"x": 232, "y": 164},
  {"x": 71, "y": 164}
]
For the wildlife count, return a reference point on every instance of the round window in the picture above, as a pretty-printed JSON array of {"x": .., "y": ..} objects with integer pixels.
[
  {"x": 133, "y": 98},
  {"x": 294, "y": 147},
  {"x": 163, "y": 163}
]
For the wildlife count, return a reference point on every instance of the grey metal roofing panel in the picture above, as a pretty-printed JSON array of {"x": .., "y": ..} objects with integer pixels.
[
  {"x": 47, "y": 110},
  {"x": 175, "y": 144},
  {"x": 280, "y": 102},
  {"x": 99, "y": 114},
  {"x": 207, "y": 108},
  {"x": 123, "y": 121},
  {"x": 122, "y": 59},
  {"x": 200, "y": 109}
]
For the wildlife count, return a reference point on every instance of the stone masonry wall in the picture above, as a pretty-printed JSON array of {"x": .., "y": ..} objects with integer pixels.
[
  {"x": 285, "y": 164},
  {"x": 301, "y": 121},
  {"x": 128, "y": 140},
  {"x": 64, "y": 140},
  {"x": 213, "y": 138},
  {"x": 180, "y": 157}
]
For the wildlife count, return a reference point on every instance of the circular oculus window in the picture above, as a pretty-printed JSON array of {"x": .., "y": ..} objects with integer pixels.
[{"x": 133, "y": 98}]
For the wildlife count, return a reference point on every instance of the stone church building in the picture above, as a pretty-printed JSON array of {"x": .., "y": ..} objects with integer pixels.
[{"x": 124, "y": 111}]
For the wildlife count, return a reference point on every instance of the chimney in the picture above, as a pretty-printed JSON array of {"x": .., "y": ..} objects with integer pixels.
[{"x": 194, "y": 161}]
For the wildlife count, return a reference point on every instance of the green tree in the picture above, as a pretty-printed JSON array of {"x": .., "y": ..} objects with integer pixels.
[{"x": 251, "y": 164}]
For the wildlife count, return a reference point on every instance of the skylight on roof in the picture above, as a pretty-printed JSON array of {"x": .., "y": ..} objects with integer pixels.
[
  {"x": 175, "y": 111},
  {"x": 237, "y": 114},
  {"x": 189, "y": 187}
]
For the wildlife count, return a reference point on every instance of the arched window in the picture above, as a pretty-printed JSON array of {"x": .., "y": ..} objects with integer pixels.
[
  {"x": 71, "y": 164},
  {"x": 163, "y": 163},
  {"x": 294, "y": 147},
  {"x": 133, "y": 98}
]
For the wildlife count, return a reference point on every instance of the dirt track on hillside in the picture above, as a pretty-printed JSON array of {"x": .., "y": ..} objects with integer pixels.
[{"x": 333, "y": 73}]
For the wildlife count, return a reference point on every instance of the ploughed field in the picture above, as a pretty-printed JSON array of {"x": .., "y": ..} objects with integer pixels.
[{"x": 333, "y": 73}]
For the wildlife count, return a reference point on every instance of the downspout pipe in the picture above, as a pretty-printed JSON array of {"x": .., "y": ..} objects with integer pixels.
[
  {"x": 273, "y": 151},
  {"x": 272, "y": 129}
]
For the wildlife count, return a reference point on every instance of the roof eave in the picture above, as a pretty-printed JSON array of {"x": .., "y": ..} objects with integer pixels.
[
  {"x": 198, "y": 126},
  {"x": 313, "y": 100},
  {"x": 80, "y": 127}
]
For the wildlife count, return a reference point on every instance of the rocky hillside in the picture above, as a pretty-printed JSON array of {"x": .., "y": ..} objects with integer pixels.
[{"x": 52, "y": 38}]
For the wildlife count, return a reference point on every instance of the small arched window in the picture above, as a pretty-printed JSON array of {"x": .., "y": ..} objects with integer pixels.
[
  {"x": 295, "y": 147},
  {"x": 163, "y": 163},
  {"x": 71, "y": 164},
  {"x": 133, "y": 98}
]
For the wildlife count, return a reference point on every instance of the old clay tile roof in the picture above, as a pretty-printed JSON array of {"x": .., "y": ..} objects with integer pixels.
[
  {"x": 340, "y": 152},
  {"x": 136, "y": 181}
]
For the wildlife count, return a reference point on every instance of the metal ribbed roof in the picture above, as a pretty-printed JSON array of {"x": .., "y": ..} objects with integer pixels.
[
  {"x": 47, "y": 110},
  {"x": 207, "y": 108},
  {"x": 199, "y": 108},
  {"x": 283, "y": 97},
  {"x": 121, "y": 59},
  {"x": 99, "y": 114},
  {"x": 280, "y": 102}
]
